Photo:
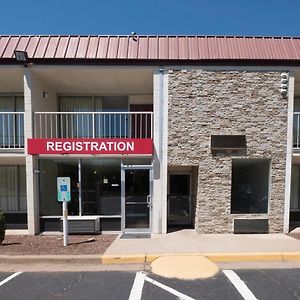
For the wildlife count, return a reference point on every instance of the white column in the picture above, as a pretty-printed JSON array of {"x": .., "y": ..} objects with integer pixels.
[
  {"x": 289, "y": 154},
  {"x": 164, "y": 162},
  {"x": 160, "y": 163},
  {"x": 31, "y": 181}
]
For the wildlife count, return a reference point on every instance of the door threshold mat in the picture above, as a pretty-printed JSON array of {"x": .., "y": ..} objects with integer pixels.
[{"x": 135, "y": 236}]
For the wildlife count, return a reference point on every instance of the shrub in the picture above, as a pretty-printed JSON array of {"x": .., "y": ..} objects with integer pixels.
[{"x": 2, "y": 227}]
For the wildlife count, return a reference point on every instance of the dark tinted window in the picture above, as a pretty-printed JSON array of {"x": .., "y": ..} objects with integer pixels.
[{"x": 250, "y": 186}]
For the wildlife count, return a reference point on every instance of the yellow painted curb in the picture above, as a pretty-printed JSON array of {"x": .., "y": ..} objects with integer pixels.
[
  {"x": 214, "y": 257},
  {"x": 152, "y": 257},
  {"x": 240, "y": 257},
  {"x": 286, "y": 256},
  {"x": 123, "y": 259}
]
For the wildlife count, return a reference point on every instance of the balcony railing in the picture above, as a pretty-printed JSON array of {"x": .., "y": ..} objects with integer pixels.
[
  {"x": 93, "y": 125},
  {"x": 11, "y": 130}
]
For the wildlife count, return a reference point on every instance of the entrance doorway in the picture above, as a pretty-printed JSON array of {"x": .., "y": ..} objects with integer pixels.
[
  {"x": 179, "y": 201},
  {"x": 136, "y": 191}
]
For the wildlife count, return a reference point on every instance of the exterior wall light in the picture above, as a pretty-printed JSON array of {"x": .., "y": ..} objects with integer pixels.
[
  {"x": 45, "y": 94},
  {"x": 21, "y": 56},
  {"x": 284, "y": 83}
]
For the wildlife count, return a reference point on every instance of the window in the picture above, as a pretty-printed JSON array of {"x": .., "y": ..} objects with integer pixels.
[
  {"x": 295, "y": 188},
  {"x": 49, "y": 171},
  {"x": 101, "y": 186},
  {"x": 11, "y": 124},
  {"x": 13, "y": 189},
  {"x": 99, "y": 179},
  {"x": 105, "y": 125},
  {"x": 250, "y": 186},
  {"x": 296, "y": 124}
]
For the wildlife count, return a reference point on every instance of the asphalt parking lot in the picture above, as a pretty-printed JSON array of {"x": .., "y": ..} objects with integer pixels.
[{"x": 262, "y": 284}]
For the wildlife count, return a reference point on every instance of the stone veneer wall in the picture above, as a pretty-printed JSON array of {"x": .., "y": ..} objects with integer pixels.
[{"x": 202, "y": 103}]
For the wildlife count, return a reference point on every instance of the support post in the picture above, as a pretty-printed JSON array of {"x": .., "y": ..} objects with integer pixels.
[{"x": 65, "y": 222}]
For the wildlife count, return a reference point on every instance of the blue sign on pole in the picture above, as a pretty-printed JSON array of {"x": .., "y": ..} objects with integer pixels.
[{"x": 63, "y": 189}]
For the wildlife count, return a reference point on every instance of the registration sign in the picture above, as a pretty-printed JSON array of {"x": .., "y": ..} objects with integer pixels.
[
  {"x": 90, "y": 146},
  {"x": 63, "y": 189}
]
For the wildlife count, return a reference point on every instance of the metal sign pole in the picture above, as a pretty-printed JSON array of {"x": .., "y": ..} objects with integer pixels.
[{"x": 65, "y": 222}]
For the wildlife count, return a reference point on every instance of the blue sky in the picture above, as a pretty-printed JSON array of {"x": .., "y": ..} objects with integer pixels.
[{"x": 210, "y": 17}]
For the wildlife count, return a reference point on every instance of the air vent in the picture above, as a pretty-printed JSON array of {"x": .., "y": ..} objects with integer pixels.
[
  {"x": 228, "y": 142},
  {"x": 251, "y": 226},
  {"x": 83, "y": 226}
]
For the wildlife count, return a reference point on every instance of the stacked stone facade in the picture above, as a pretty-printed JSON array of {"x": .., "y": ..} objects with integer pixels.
[{"x": 205, "y": 103}]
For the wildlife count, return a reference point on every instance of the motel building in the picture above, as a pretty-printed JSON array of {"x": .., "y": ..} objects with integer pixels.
[{"x": 155, "y": 132}]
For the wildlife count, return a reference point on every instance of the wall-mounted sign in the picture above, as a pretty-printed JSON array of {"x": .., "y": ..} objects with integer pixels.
[{"x": 90, "y": 146}]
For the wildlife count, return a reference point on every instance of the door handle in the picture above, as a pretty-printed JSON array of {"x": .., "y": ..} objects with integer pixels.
[{"x": 149, "y": 201}]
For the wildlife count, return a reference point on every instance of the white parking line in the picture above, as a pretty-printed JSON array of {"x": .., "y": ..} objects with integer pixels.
[
  {"x": 240, "y": 285},
  {"x": 138, "y": 284},
  {"x": 137, "y": 288},
  {"x": 168, "y": 289},
  {"x": 9, "y": 278}
]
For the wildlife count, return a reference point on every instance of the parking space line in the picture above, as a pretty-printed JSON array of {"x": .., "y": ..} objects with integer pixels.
[
  {"x": 168, "y": 289},
  {"x": 10, "y": 278},
  {"x": 240, "y": 285},
  {"x": 137, "y": 288}
]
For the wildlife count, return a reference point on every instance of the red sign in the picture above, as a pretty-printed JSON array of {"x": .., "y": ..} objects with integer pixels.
[{"x": 90, "y": 146}]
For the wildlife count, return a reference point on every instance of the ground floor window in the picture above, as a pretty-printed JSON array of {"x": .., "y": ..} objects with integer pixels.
[
  {"x": 95, "y": 185},
  {"x": 13, "y": 189},
  {"x": 295, "y": 188},
  {"x": 49, "y": 171},
  {"x": 101, "y": 186},
  {"x": 250, "y": 186}
]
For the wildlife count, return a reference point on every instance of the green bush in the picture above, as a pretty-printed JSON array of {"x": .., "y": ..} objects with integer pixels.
[{"x": 2, "y": 227}]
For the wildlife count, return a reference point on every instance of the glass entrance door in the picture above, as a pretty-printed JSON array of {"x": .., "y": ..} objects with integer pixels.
[{"x": 136, "y": 198}]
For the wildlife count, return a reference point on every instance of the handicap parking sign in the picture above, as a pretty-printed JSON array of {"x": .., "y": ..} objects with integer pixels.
[{"x": 63, "y": 189}]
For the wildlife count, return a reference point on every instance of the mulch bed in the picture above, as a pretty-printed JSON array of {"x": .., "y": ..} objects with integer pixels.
[{"x": 51, "y": 245}]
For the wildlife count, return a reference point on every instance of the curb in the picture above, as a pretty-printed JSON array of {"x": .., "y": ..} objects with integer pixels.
[
  {"x": 214, "y": 257},
  {"x": 145, "y": 258},
  {"x": 50, "y": 259}
]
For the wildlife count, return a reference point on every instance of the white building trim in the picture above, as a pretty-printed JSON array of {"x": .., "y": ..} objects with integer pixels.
[{"x": 289, "y": 153}]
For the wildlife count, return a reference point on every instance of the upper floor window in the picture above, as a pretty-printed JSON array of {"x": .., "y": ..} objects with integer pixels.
[
  {"x": 93, "y": 104},
  {"x": 11, "y": 121},
  {"x": 11, "y": 103},
  {"x": 106, "y": 124}
]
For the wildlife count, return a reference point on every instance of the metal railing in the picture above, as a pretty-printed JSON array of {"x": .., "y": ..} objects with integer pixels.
[
  {"x": 11, "y": 130},
  {"x": 296, "y": 130},
  {"x": 93, "y": 124}
]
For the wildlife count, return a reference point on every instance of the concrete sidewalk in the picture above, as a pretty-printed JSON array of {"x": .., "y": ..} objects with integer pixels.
[
  {"x": 188, "y": 241},
  {"x": 218, "y": 247}
]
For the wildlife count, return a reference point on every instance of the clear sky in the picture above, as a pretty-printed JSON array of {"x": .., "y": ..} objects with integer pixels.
[{"x": 202, "y": 17}]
